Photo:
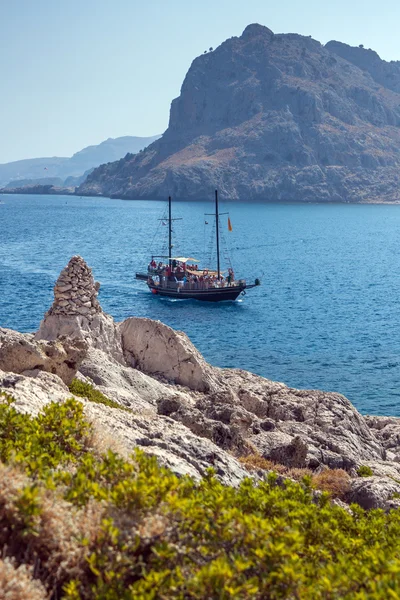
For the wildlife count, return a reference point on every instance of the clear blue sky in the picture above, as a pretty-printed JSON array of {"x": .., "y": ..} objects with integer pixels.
[{"x": 75, "y": 72}]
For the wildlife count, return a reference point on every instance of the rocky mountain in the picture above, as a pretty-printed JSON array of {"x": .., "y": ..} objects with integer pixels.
[
  {"x": 187, "y": 413},
  {"x": 273, "y": 117},
  {"x": 36, "y": 169}
]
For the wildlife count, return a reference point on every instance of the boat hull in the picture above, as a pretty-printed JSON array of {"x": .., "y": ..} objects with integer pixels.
[
  {"x": 210, "y": 295},
  {"x": 142, "y": 276}
]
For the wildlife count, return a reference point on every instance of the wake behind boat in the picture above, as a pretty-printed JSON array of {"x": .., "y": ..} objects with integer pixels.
[{"x": 180, "y": 277}]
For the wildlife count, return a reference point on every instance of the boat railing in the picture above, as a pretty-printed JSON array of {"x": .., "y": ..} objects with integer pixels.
[{"x": 166, "y": 284}]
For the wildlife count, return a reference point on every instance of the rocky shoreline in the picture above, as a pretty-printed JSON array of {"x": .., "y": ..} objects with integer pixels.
[
  {"x": 40, "y": 190},
  {"x": 69, "y": 192},
  {"x": 187, "y": 413}
]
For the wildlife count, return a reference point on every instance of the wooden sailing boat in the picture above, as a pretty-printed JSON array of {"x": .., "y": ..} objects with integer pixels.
[{"x": 178, "y": 278}]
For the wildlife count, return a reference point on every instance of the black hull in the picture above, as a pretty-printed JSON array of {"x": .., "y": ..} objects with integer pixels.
[
  {"x": 142, "y": 276},
  {"x": 210, "y": 295}
]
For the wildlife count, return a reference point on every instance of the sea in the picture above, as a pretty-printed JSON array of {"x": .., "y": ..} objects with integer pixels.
[{"x": 327, "y": 313}]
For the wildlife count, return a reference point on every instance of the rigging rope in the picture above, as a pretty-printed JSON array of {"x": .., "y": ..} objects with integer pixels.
[
  {"x": 157, "y": 233},
  {"x": 225, "y": 249}
]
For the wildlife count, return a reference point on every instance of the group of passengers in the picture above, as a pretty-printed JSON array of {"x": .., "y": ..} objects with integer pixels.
[{"x": 187, "y": 278}]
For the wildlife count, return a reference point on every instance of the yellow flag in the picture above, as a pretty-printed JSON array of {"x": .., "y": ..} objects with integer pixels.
[{"x": 229, "y": 225}]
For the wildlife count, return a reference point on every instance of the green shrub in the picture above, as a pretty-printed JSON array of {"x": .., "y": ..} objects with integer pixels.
[
  {"x": 85, "y": 390},
  {"x": 364, "y": 471},
  {"x": 101, "y": 527},
  {"x": 59, "y": 435}
]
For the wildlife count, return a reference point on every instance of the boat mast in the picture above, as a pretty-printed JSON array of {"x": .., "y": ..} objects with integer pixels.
[
  {"x": 169, "y": 231},
  {"x": 170, "y": 221},
  {"x": 217, "y": 232},
  {"x": 217, "y": 215}
]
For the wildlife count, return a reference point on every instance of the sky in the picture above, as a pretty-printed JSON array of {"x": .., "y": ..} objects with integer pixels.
[{"x": 76, "y": 72}]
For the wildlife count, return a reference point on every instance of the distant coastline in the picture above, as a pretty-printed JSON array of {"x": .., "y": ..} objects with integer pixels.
[
  {"x": 41, "y": 190},
  {"x": 44, "y": 190}
]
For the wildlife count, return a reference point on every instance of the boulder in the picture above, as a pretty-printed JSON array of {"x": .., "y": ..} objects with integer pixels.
[
  {"x": 32, "y": 392},
  {"x": 374, "y": 492},
  {"x": 20, "y": 353},
  {"x": 129, "y": 387},
  {"x": 387, "y": 431},
  {"x": 157, "y": 349},
  {"x": 292, "y": 455}
]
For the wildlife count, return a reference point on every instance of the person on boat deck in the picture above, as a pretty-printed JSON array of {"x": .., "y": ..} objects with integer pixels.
[
  {"x": 160, "y": 265},
  {"x": 153, "y": 264}
]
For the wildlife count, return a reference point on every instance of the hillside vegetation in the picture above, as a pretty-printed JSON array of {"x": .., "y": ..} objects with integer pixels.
[{"x": 80, "y": 524}]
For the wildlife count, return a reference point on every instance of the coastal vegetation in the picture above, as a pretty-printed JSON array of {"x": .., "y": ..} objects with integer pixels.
[
  {"x": 86, "y": 390},
  {"x": 334, "y": 481},
  {"x": 78, "y": 523},
  {"x": 364, "y": 471}
]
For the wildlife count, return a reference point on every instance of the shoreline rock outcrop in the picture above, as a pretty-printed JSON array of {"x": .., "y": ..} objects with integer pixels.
[
  {"x": 155, "y": 348},
  {"x": 76, "y": 312},
  {"x": 19, "y": 353},
  {"x": 185, "y": 411}
]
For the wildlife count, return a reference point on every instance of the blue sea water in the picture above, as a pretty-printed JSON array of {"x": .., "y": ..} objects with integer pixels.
[{"x": 327, "y": 314}]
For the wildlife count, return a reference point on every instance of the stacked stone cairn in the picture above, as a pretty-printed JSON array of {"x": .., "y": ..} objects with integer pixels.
[{"x": 75, "y": 292}]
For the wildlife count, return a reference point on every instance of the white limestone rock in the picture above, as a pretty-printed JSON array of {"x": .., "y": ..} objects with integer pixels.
[
  {"x": 32, "y": 392},
  {"x": 156, "y": 348},
  {"x": 21, "y": 352}
]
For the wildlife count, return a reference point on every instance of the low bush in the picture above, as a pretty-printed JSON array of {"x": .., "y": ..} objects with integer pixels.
[
  {"x": 59, "y": 435},
  {"x": 89, "y": 526},
  {"x": 86, "y": 390},
  {"x": 364, "y": 471},
  {"x": 334, "y": 481},
  {"x": 256, "y": 462}
]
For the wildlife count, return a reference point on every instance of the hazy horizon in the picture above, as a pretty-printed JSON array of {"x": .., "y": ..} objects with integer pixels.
[
  {"x": 79, "y": 149},
  {"x": 77, "y": 73}
]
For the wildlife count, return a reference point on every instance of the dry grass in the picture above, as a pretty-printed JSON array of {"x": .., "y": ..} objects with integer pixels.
[
  {"x": 102, "y": 439},
  {"x": 334, "y": 481},
  {"x": 297, "y": 473},
  {"x": 18, "y": 584},
  {"x": 50, "y": 541},
  {"x": 256, "y": 462}
]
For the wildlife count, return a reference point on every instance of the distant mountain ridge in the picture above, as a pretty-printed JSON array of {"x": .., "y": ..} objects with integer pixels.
[
  {"x": 273, "y": 117},
  {"x": 33, "y": 169}
]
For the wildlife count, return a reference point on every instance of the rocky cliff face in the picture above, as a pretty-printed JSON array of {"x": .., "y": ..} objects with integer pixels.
[
  {"x": 273, "y": 117},
  {"x": 183, "y": 410}
]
